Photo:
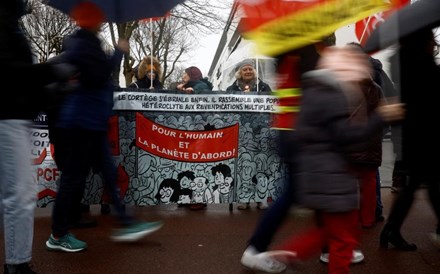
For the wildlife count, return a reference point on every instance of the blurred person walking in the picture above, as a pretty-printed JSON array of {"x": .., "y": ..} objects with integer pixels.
[
  {"x": 415, "y": 72},
  {"x": 82, "y": 132},
  {"x": 290, "y": 67},
  {"x": 389, "y": 93},
  {"x": 326, "y": 183},
  {"x": 18, "y": 189},
  {"x": 247, "y": 79},
  {"x": 365, "y": 157}
]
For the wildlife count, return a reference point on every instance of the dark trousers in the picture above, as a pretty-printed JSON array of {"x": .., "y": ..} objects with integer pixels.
[
  {"x": 77, "y": 151},
  {"x": 399, "y": 174},
  {"x": 379, "y": 205},
  {"x": 402, "y": 204},
  {"x": 274, "y": 216}
]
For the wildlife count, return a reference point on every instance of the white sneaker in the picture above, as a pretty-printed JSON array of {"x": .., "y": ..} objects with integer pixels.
[
  {"x": 283, "y": 256},
  {"x": 260, "y": 261},
  {"x": 357, "y": 257}
]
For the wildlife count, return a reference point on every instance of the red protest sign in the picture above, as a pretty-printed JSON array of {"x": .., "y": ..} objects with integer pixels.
[{"x": 184, "y": 145}]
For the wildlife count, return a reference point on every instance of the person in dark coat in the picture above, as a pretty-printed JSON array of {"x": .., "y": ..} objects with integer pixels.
[
  {"x": 82, "y": 132},
  {"x": 193, "y": 81},
  {"x": 324, "y": 134},
  {"x": 389, "y": 93},
  {"x": 247, "y": 79},
  {"x": 290, "y": 67},
  {"x": 415, "y": 72},
  {"x": 148, "y": 74},
  {"x": 366, "y": 157},
  {"x": 22, "y": 92}
]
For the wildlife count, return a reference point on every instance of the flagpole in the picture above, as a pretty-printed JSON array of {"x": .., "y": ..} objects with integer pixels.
[
  {"x": 257, "y": 73},
  {"x": 365, "y": 29},
  {"x": 151, "y": 47}
]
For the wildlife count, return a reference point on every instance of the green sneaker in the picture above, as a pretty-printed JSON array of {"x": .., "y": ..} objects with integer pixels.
[
  {"x": 135, "y": 231},
  {"x": 67, "y": 243}
]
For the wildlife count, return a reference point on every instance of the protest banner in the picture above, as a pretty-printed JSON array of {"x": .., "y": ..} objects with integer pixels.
[{"x": 219, "y": 146}]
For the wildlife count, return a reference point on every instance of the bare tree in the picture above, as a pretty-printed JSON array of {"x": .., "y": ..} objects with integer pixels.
[
  {"x": 168, "y": 39},
  {"x": 46, "y": 28}
]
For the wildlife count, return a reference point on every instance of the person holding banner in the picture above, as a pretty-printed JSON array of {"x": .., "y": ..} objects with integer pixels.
[
  {"x": 148, "y": 74},
  {"x": 247, "y": 78},
  {"x": 193, "y": 81}
]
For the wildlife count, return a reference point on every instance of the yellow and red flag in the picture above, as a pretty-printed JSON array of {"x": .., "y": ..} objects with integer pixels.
[{"x": 279, "y": 26}]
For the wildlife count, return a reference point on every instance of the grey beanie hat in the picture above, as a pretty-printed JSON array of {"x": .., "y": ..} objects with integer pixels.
[{"x": 248, "y": 62}]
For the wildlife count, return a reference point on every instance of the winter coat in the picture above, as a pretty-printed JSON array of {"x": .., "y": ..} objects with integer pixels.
[
  {"x": 91, "y": 104},
  {"x": 22, "y": 81},
  {"x": 199, "y": 85},
  {"x": 262, "y": 86},
  {"x": 419, "y": 87},
  {"x": 325, "y": 180},
  {"x": 368, "y": 153},
  {"x": 142, "y": 81}
]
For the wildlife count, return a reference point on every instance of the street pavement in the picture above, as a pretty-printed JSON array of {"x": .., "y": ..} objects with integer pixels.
[{"x": 211, "y": 241}]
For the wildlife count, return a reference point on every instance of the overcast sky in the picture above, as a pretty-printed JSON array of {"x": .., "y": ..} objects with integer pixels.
[{"x": 203, "y": 55}]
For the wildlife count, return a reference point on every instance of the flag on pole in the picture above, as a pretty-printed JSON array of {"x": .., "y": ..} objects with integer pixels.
[{"x": 278, "y": 26}]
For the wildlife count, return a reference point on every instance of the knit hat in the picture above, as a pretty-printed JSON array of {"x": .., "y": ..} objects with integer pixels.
[
  {"x": 246, "y": 62},
  {"x": 87, "y": 15},
  {"x": 194, "y": 73}
]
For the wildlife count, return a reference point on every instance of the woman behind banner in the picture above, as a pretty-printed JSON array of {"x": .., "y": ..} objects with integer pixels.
[{"x": 247, "y": 78}]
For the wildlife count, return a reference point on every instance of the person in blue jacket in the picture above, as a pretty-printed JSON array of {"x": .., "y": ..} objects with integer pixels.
[{"x": 82, "y": 125}]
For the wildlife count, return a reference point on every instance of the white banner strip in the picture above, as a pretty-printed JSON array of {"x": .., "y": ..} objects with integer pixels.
[{"x": 145, "y": 101}]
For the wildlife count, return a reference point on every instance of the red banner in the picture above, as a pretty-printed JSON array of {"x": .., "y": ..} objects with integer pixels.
[{"x": 186, "y": 146}]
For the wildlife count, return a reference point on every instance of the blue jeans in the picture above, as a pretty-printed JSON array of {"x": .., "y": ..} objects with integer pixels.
[
  {"x": 18, "y": 190},
  {"x": 77, "y": 151}
]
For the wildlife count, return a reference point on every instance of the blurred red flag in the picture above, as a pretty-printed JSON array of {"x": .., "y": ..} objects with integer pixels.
[
  {"x": 278, "y": 26},
  {"x": 364, "y": 27}
]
